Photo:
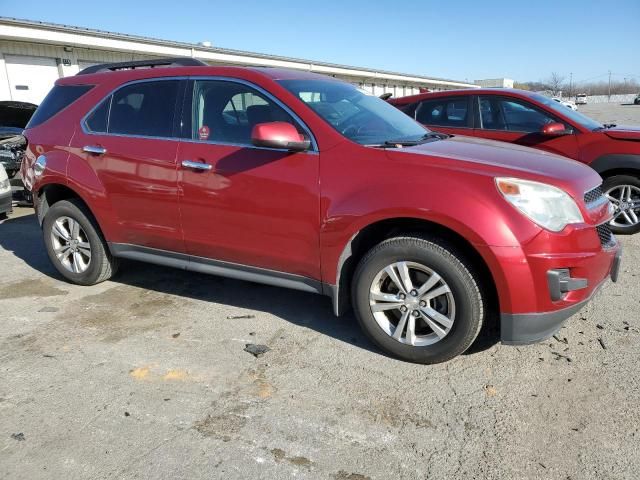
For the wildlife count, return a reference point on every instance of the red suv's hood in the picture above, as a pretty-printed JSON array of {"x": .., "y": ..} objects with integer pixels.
[
  {"x": 623, "y": 132},
  {"x": 505, "y": 159}
]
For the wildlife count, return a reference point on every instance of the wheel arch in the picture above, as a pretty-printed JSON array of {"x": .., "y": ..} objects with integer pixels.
[
  {"x": 617, "y": 164},
  {"x": 52, "y": 193},
  {"x": 372, "y": 234}
]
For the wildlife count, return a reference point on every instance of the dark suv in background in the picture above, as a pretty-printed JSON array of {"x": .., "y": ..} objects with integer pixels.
[
  {"x": 533, "y": 120},
  {"x": 303, "y": 181}
]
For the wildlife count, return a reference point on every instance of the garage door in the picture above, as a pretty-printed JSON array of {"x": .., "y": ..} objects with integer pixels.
[{"x": 30, "y": 78}]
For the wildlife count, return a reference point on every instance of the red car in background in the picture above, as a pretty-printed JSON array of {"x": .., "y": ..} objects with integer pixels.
[{"x": 533, "y": 120}]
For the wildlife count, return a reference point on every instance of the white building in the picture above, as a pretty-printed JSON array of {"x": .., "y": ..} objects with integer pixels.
[
  {"x": 35, "y": 54},
  {"x": 495, "y": 82}
]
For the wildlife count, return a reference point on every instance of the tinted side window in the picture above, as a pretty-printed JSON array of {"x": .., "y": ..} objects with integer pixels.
[
  {"x": 226, "y": 112},
  {"x": 145, "y": 109},
  {"x": 60, "y": 97},
  {"x": 447, "y": 112},
  {"x": 498, "y": 113},
  {"x": 97, "y": 121}
]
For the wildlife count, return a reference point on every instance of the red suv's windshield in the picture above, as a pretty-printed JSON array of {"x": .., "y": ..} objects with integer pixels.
[
  {"x": 356, "y": 114},
  {"x": 575, "y": 116}
]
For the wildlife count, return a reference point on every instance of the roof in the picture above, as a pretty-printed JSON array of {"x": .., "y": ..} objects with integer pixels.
[
  {"x": 200, "y": 51},
  {"x": 447, "y": 93}
]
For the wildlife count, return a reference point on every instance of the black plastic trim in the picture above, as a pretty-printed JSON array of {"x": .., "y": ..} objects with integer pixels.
[
  {"x": 159, "y": 62},
  {"x": 615, "y": 268},
  {"x": 217, "y": 267},
  {"x": 561, "y": 282},
  {"x": 614, "y": 161},
  {"x": 527, "y": 328}
]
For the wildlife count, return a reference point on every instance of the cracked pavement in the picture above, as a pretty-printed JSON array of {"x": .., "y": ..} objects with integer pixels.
[{"x": 146, "y": 377}]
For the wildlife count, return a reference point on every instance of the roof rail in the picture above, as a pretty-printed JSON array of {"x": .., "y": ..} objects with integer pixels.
[{"x": 159, "y": 62}]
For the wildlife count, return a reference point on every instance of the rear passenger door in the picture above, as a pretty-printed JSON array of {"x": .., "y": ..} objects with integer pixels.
[
  {"x": 132, "y": 133},
  {"x": 514, "y": 120},
  {"x": 451, "y": 115}
]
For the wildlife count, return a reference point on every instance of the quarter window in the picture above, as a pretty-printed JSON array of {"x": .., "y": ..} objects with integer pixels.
[
  {"x": 226, "y": 112},
  {"x": 446, "y": 112},
  {"x": 59, "y": 98}
]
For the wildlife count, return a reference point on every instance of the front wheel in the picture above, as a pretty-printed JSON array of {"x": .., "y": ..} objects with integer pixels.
[
  {"x": 418, "y": 300},
  {"x": 624, "y": 192}
]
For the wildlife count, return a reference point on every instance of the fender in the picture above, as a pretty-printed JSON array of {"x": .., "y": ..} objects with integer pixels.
[
  {"x": 488, "y": 221},
  {"x": 615, "y": 161}
]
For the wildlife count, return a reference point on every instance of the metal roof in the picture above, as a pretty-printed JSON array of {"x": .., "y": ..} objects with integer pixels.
[{"x": 170, "y": 43}]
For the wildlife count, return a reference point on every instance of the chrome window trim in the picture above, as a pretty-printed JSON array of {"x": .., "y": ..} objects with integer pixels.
[
  {"x": 314, "y": 145},
  {"x": 83, "y": 121}
]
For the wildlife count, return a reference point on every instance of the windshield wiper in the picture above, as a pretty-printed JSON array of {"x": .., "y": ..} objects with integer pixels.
[{"x": 410, "y": 143}]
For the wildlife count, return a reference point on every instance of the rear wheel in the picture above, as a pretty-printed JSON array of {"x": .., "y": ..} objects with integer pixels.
[
  {"x": 624, "y": 192},
  {"x": 418, "y": 299},
  {"x": 75, "y": 244}
]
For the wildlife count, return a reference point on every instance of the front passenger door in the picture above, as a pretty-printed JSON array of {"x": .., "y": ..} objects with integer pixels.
[
  {"x": 513, "y": 120},
  {"x": 244, "y": 204}
]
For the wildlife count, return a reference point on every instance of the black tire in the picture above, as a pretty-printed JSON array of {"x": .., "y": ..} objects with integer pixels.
[
  {"x": 441, "y": 257},
  {"x": 617, "y": 181},
  {"x": 102, "y": 265}
]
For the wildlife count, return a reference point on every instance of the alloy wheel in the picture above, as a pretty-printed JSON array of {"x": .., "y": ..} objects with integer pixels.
[
  {"x": 71, "y": 245},
  {"x": 626, "y": 199},
  {"x": 412, "y": 303}
]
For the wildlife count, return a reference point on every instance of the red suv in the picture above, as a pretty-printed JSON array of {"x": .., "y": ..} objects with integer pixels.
[
  {"x": 302, "y": 181},
  {"x": 534, "y": 120}
]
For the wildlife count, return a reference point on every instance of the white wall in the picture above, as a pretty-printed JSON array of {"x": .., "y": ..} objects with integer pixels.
[
  {"x": 79, "y": 57},
  {"x": 76, "y": 57}
]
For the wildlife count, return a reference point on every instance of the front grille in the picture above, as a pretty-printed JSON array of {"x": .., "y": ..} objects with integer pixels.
[
  {"x": 604, "y": 234},
  {"x": 593, "y": 195}
]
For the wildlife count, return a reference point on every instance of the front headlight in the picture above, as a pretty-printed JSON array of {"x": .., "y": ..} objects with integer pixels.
[
  {"x": 5, "y": 185},
  {"x": 548, "y": 206}
]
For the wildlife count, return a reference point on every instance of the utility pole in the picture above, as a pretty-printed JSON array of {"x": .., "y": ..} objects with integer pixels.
[
  {"x": 609, "y": 99},
  {"x": 570, "y": 84}
]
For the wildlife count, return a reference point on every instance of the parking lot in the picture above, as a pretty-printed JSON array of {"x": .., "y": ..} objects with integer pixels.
[{"x": 146, "y": 376}]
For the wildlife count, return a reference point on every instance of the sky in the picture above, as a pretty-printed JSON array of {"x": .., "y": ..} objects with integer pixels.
[{"x": 462, "y": 40}]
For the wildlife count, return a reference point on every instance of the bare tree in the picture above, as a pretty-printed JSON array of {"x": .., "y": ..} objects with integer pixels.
[{"x": 555, "y": 83}]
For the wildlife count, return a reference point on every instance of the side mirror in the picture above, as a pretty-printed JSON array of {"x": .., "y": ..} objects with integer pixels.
[
  {"x": 554, "y": 129},
  {"x": 280, "y": 135}
]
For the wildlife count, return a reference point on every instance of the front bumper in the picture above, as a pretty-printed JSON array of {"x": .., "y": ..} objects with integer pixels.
[
  {"x": 5, "y": 202},
  {"x": 526, "y": 328}
]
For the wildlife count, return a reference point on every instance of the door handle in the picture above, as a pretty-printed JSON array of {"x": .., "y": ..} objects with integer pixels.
[
  {"x": 94, "y": 149},
  {"x": 196, "y": 165}
]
